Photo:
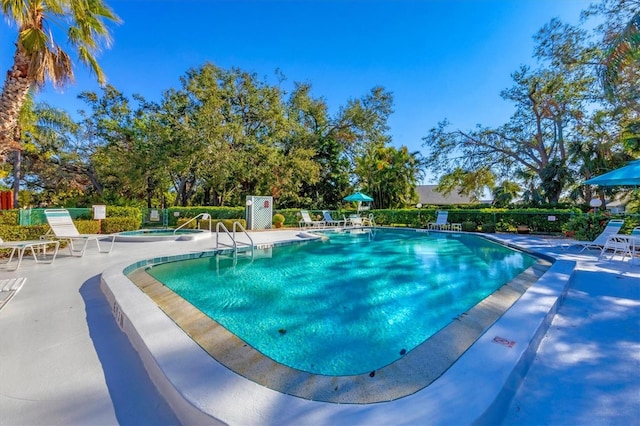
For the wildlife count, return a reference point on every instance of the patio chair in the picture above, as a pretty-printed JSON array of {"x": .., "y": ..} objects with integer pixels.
[
  {"x": 369, "y": 221},
  {"x": 63, "y": 229},
  {"x": 613, "y": 227},
  {"x": 330, "y": 221},
  {"x": 308, "y": 222},
  {"x": 355, "y": 220},
  {"x": 20, "y": 247},
  {"x": 442, "y": 217},
  {"x": 9, "y": 287}
]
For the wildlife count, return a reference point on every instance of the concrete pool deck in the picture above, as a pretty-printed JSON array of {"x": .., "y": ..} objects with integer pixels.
[{"x": 63, "y": 359}]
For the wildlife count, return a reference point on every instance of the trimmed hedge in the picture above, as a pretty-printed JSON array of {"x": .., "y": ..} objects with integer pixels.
[
  {"x": 504, "y": 220},
  {"x": 204, "y": 223},
  {"x": 21, "y": 233},
  {"x": 8, "y": 217},
  {"x": 236, "y": 213}
]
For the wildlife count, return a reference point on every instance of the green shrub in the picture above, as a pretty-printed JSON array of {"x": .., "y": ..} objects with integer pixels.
[
  {"x": 469, "y": 226},
  {"x": 488, "y": 227},
  {"x": 87, "y": 226},
  {"x": 8, "y": 217},
  {"x": 21, "y": 233},
  {"x": 204, "y": 223},
  {"x": 586, "y": 227},
  {"x": 235, "y": 213},
  {"x": 278, "y": 220},
  {"x": 112, "y": 225}
]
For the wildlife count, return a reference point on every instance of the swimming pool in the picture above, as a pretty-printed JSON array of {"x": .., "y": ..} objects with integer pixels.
[
  {"x": 150, "y": 235},
  {"x": 209, "y": 375},
  {"x": 350, "y": 304}
]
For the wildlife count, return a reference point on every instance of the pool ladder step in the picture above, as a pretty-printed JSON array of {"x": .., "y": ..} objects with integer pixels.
[{"x": 248, "y": 246}]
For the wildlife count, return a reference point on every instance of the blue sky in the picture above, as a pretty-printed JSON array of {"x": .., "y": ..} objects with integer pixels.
[{"x": 440, "y": 58}]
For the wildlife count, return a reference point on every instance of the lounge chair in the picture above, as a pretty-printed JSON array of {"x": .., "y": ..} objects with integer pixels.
[
  {"x": 369, "y": 221},
  {"x": 442, "y": 217},
  {"x": 63, "y": 229},
  {"x": 307, "y": 222},
  {"x": 330, "y": 221},
  {"x": 622, "y": 245},
  {"x": 20, "y": 247},
  {"x": 613, "y": 227},
  {"x": 8, "y": 288},
  {"x": 357, "y": 220}
]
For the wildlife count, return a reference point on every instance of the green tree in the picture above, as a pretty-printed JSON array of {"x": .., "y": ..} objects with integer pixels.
[
  {"x": 38, "y": 57},
  {"x": 505, "y": 193},
  {"x": 312, "y": 128},
  {"x": 56, "y": 160},
  {"x": 549, "y": 104},
  {"x": 390, "y": 176}
]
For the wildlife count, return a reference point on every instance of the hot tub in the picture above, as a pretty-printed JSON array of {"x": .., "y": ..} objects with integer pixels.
[{"x": 164, "y": 234}]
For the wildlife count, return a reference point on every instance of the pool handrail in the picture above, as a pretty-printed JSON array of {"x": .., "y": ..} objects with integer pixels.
[
  {"x": 239, "y": 225},
  {"x": 219, "y": 226},
  {"x": 199, "y": 216}
]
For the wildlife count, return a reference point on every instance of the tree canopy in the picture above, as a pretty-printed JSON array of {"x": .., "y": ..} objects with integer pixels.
[
  {"x": 222, "y": 135},
  {"x": 568, "y": 123}
]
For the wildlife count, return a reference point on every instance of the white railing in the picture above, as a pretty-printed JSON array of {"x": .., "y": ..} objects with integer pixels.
[
  {"x": 203, "y": 216},
  {"x": 244, "y": 231}
]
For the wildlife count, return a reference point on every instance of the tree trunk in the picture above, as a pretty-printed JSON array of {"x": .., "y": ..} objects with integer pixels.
[
  {"x": 14, "y": 92},
  {"x": 17, "y": 162}
]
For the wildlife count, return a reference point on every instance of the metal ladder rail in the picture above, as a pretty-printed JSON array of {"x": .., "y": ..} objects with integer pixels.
[
  {"x": 233, "y": 240},
  {"x": 250, "y": 243},
  {"x": 201, "y": 216}
]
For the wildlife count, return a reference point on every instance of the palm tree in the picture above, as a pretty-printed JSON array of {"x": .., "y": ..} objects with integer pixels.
[
  {"x": 38, "y": 56},
  {"x": 623, "y": 52}
]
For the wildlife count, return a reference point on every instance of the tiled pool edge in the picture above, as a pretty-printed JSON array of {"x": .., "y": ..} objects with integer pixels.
[
  {"x": 453, "y": 398},
  {"x": 408, "y": 374}
]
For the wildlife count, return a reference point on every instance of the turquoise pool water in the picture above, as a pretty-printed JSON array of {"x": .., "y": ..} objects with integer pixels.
[{"x": 348, "y": 305}]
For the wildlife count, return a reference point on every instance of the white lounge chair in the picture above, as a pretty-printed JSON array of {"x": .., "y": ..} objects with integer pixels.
[
  {"x": 330, "y": 221},
  {"x": 357, "y": 220},
  {"x": 613, "y": 227},
  {"x": 10, "y": 287},
  {"x": 308, "y": 222},
  {"x": 20, "y": 247},
  {"x": 442, "y": 217},
  {"x": 622, "y": 245},
  {"x": 369, "y": 221},
  {"x": 63, "y": 228}
]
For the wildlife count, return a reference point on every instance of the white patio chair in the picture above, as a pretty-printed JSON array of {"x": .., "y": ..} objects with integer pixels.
[
  {"x": 308, "y": 222},
  {"x": 9, "y": 287},
  {"x": 613, "y": 227},
  {"x": 63, "y": 229},
  {"x": 19, "y": 247}
]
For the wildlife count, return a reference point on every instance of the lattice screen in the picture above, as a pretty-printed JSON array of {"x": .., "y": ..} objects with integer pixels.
[{"x": 259, "y": 212}]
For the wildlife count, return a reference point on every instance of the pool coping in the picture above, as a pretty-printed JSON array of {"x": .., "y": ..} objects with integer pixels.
[
  {"x": 201, "y": 390},
  {"x": 405, "y": 376}
]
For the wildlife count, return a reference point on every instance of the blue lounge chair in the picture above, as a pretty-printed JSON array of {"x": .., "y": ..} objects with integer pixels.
[{"x": 330, "y": 221}]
